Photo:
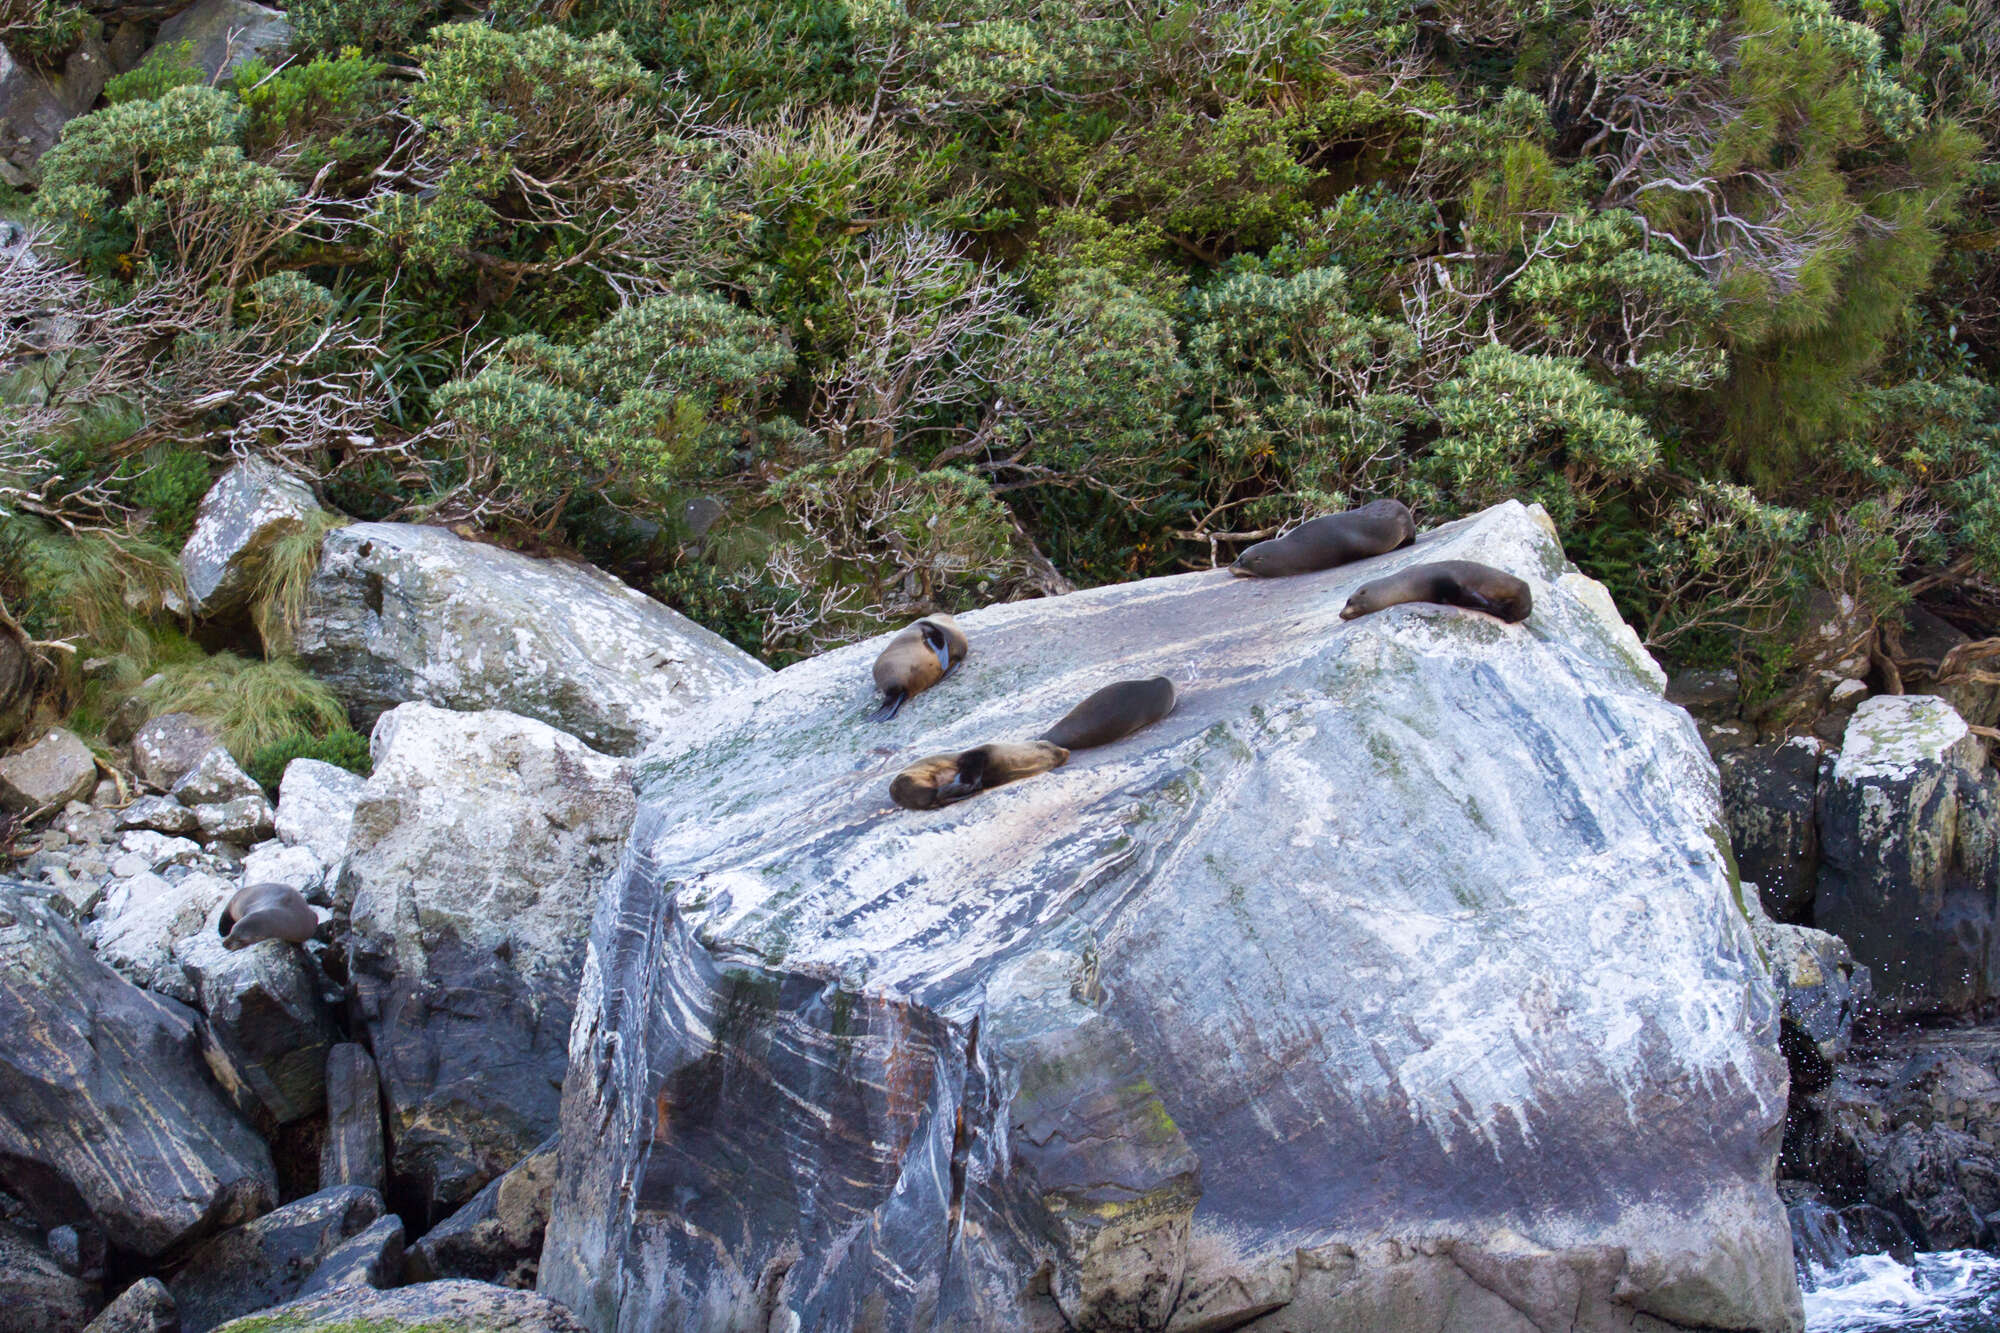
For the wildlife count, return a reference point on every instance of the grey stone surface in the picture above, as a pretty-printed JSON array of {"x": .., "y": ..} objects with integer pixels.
[
  {"x": 426, "y": 1308},
  {"x": 265, "y": 1262},
  {"x": 107, "y": 1114},
  {"x": 161, "y": 814},
  {"x": 141, "y": 920},
  {"x": 157, "y": 850},
  {"x": 1414, "y": 935},
  {"x": 497, "y": 1237},
  {"x": 402, "y": 613},
  {"x": 55, "y": 770},
  {"x": 215, "y": 779},
  {"x": 268, "y": 1032},
  {"x": 36, "y": 1295},
  {"x": 167, "y": 746},
  {"x": 84, "y": 73},
  {"x": 316, "y": 803},
  {"x": 225, "y": 33},
  {"x": 372, "y": 1259},
  {"x": 1770, "y": 795},
  {"x": 275, "y": 863},
  {"x": 477, "y": 853},
  {"x": 32, "y": 116},
  {"x": 351, "y": 1153},
  {"x": 251, "y": 507},
  {"x": 243, "y": 821},
  {"x": 1908, "y": 822},
  {"x": 144, "y": 1307},
  {"x": 1819, "y": 987}
]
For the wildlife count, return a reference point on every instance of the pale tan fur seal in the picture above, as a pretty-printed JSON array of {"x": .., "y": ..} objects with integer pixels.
[
  {"x": 1465, "y": 583},
  {"x": 267, "y": 912},
  {"x": 1329, "y": 540},
  {"x": 1113, "y": 713},
  {"x": 917, "y": 658},
  {"x": 944, "y": 778}
]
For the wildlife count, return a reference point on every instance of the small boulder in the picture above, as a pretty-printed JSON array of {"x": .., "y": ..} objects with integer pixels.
[
  {"x": 276, "y": 863},
  {"x": 38, "y": 1294},
  {"x": 316, "y": 803},
  {"x": 1820, "y": 990},
  {"x": 166, "y": 747},
  {"x": 497, "y": 1237},
  {"x": 159, "y": 849},
  {"x": 268, "y": 1031},
  {"x": 223, "y": 34},
  {"x": 215, "y": 779},
  {"x": 243, "y": 821},
  {"x": 372, "y": 1259},
  {"x": 351, "y": 1153},
  {"x": 49, "y": 774},
  {"x": 418, "y": 1309},
  {"x": 252, "y": 507},
  {"x": 144, "y": 917},
  {"x": 79, "y": 1250},
  {"x": 267, "y": 1261},
  {"x": 145, "y": 1307},
  {"x": 160, "y": 814}
]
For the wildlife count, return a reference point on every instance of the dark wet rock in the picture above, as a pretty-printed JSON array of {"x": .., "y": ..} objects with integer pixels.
[
  {"x": 268, "y": 1032},
  {"x": 107, "y": 1114},
  {"x": 249, "y": 510},
  {"x": 1398, "y": 942},
  {"x": 1909, "y": 820},
  {"x": 1820, "y": 990},
  {"x": 167, "y": 746},
  {"x": 1939, "y": 1183},
  {"x": 478, "y": 850},
  {"x": 372, "y": 1259},
  {"x": 1928, "y": 639},
  {"x": 401, "y": 613},
  {"x": 427, "y": 1308},
  {"x": 32, "y": 116},
  {"x": 352, "y": 1151},
  {"x": 36, "y": 1295},
  {"x": 144, "y": 1307},
  {"x": 1711, "y": 696},
  {"x": 223, "y": 34},
  {"x": 497, "y": 1237},
  {"x": 161, "y": 814},
  {"x": 47, "y": 775},
  {"x": 267, "y": 1261},
  {"x": 1770, "y": 795},
  {"x": 78, "y": 1250}
]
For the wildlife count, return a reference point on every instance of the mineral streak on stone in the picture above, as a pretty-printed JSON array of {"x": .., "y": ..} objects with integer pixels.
[
  {"x": 431, "y": 1307},
  {"x": 1396, "y": 981},
  {"x": 403, "y": 613},
  {"x": 352, "y": 1151}
]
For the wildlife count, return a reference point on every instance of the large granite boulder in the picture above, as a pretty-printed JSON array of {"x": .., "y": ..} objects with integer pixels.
[
  {"x": 268, "y": 1032},
  {"x": 107, "y": 1114},
  {"x": 1770, "y": 796},
  {"x": 248, "y": 511},
  {"x": 47, "y": 775},
  {"x": 401, "y": 613},
  {"x": 374, "y": 1258},
  {"x": 477, "y": 853},
  {"x": 430, "y": 1307},
  {"x": 223, "y": 34},
  {"x": 269, "y": 1260},
  {"x": 1909, "y": 820},
  {"x": 1397, "y": 980}
]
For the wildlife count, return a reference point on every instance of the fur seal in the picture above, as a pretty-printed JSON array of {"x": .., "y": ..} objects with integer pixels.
[
  {"x": 1329, "y": 540},
  {"x": 944, "y": 778},
  {"x": 1465, "y": 583},
  {"x": 1113, "y": 713},
  {"x": 920, "y": 656},
  {"x": 267, "y": 912}
]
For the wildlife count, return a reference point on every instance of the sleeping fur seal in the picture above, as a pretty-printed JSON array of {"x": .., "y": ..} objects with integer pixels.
[
  {"x": 1329, "y": 540},
  {"x": 944, "y": 778},
  {"x": 1465, "y": 583},
  {"x": 1113, "y": 713},
  {"x": 918, "y": 657},
  {"x": 267, "y": 912}
]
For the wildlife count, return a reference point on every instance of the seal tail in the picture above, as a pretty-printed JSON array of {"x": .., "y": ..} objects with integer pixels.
[{"x": 894, "y": 700}]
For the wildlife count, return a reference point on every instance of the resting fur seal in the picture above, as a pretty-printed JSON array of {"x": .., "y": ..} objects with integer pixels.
[
  {"x": 267, "y": 912},
  {"x": 918, "y": 657},
  {"x": 1329, "y": 540},
  {"x": 1465, "y": 583},
  {"x": 1113, "y": 713},
  {"x": 944, "y": 778}
]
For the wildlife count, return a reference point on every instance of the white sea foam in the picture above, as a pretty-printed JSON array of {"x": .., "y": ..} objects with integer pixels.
[{"x": 1949, "y": 1291}]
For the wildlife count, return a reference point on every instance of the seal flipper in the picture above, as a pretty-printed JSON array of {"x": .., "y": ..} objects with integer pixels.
[
  {"x": 894, "y": 700},
  {"x": 935, "y": 640},
  {"x": 967, "y": 781},
  {"x": 1476, "y": 602}
]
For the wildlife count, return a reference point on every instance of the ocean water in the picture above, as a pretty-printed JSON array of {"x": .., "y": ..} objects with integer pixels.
[{"x": 1946, "y": 1291}]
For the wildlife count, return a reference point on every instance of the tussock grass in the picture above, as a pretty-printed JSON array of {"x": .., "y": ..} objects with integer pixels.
[
  {"x": 282, "y": 583},
  {"x": 251, "y": 704}
]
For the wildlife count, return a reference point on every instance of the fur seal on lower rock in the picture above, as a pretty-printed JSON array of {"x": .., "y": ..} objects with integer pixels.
[
  {"x": 921, "y": 655},
  {"x": 1113, "y": 713},
  {"x": 1465, "y": 583},
  {"x": 267, "y": 912},
  {"x": 944, "y": 778},
  {"x": 1329, "y": 540}
]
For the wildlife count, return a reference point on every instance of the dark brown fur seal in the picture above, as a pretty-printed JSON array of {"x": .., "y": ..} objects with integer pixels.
[
  {"x": 1465, "y": 583},
  {"x": 944, "y": 778},
  {"x": 267, "y": 912},
  {"x": 1329, "y": 540},
  {"x": 917, "y": 658},
  {"x": 1113, "y": 713}
]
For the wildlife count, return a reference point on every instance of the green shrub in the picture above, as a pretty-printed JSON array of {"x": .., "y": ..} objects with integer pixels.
[{"x": 342, "y": 747}]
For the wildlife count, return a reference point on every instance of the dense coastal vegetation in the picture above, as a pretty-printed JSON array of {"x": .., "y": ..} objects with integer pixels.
[{"x": 809, "y": 317}]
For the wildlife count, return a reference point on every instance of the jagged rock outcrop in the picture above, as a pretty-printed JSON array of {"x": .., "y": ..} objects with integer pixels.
[
  {"x": 1770, "y": 795},
  {"x": 268, "y": 1033},
  {"x": 1397, "y": 980},
  {"x": 265, "y": 1262},
  {"x": 1910, "y": 869},
  {"x": 48, "y": 775},
  {"x": 477, "y": 853},
  {"x": 32, "y": 116},
  {"x": 1820, "y": 989},
  {"x": 497, "y": 1237},
  {"x": 249, "y": 510},
  {"x": 401, "y": 613},
  {"x": 425, "y": 1308},
  {"x": 144, "y": 916},
  {"x": 106, "y": 1112}
]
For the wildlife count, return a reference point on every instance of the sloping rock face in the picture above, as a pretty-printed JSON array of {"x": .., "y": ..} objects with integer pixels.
[
  {"x": 248, "y": 511},
  {"x": 1395, "y": 981},
  {"x": 106, "y": 1112},
  {"x": 430, "y": 1307},
  {"x": 477, "y": 853},
  {"x": 401, "y": 613},
  {"x": 1910, "y": 869}
]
